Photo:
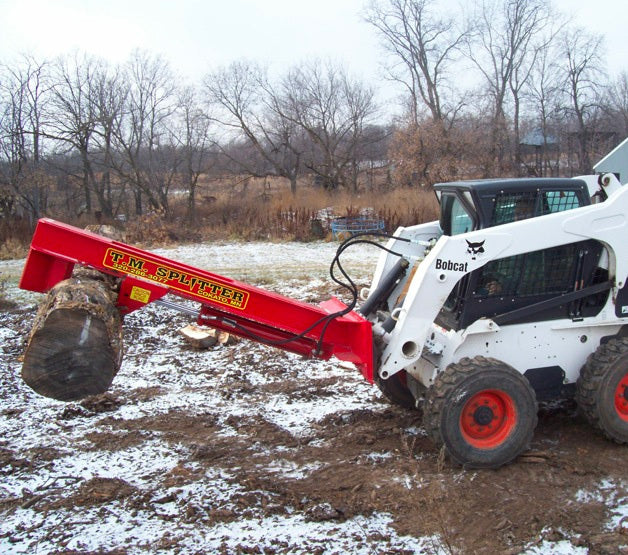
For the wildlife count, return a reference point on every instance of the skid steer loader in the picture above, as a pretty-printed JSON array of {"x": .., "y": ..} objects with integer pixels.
[{"x": 516, "y": 295}]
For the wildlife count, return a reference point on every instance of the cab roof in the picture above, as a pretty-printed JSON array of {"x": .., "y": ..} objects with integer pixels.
[{"x": 514, "y": 184}]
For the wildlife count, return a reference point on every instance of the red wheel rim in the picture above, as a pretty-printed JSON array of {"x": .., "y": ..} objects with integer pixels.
[
  {"x": 621, "y": 398},
  {"x": 488, "y": 418}
]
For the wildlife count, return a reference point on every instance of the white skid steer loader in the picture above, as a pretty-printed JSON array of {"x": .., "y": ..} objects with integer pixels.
[{"x": 517, "y": 295}]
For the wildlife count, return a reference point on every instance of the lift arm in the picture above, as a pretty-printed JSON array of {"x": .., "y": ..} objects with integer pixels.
[{"x": 227, "y": 304}]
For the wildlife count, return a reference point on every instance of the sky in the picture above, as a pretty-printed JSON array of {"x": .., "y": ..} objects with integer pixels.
[{"x": 196, "y": 36}]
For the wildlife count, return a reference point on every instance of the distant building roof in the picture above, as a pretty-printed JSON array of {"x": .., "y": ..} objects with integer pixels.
[
  {"x": 536, "y": 138},
  {"x": 616, "y": 161}
]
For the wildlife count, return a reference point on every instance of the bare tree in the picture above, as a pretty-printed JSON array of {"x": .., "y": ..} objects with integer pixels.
[
  {"x": 423, "y": 48},
  {"x": 504, "y": 47},
  {"x": 24, "y": 89},
  {"x": 74, "y": 121},
  {"x": 250, "y": 110},
  {"x": 141, "y": 131},
  {"x": 584, "y": 71},
  {"x": 618, "y": 102},
  {"x": 545, "y": 96},
  {"x": 110, "y": 93},
  {"x": 333, "y": 110},
  {"x": 88, "y": 99},
  {"x": 191, "y": 138}
]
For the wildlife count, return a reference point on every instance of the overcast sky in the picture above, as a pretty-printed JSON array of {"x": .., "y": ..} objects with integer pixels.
[{"x": 196, "y": 35}]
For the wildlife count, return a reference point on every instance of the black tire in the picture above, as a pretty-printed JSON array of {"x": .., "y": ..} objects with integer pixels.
[
  {"x": 396, "y": 390},
  {"x": 602, "y": 389},
  {"x": 483, "y": 411}
]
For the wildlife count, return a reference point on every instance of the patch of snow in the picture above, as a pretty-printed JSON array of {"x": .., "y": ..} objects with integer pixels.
[
  {"x": 612, "y": 494},
  {"x": 297, "y": 417},
  {"x": 563, "y": 547},
  {"x": 378, "y": 457},
  {"x": 292, "y": 470},
  {"x": 107, "y": 530}
]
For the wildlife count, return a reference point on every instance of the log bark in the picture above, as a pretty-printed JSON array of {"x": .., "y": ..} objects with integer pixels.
[{"x": 75, "y": 347}]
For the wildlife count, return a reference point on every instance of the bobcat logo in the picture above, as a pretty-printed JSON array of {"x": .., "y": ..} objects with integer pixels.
[{"x": 475, "y": 248}]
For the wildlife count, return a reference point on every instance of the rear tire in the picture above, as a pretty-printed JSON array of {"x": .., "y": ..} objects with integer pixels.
[
  {"x": 482, "y": 410},
  {"x": 602, "y": 389}
]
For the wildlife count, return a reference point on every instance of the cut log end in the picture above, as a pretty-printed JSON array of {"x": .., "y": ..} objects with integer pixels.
[
  {"x": 75, "y": 348},
  {"x": 204, "y": 338}
]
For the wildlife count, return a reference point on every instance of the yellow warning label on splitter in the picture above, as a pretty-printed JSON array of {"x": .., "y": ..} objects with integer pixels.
[{"x": 140, "y": 295}]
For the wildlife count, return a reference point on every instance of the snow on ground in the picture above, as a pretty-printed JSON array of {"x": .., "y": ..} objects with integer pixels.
[
  {"x": 165, "y": 497},
  {"x": 185, "y": 380}
]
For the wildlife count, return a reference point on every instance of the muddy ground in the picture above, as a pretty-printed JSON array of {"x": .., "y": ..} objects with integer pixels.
[{"x": 246, "y": 449}]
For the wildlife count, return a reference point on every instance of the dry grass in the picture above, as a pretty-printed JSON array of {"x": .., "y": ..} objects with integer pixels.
[
  {"x": 266, "y": 209},
  {"x": 14, "y": 247},
  {"x": 5, "y": 302},
  {"x": 233, "y": 208}
]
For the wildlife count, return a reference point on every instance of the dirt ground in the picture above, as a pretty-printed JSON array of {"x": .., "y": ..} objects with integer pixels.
[{"x": 288, "y": 440}]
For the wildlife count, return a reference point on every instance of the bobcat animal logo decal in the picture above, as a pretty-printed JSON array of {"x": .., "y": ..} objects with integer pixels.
[
  {"x": 475, "y": 248},
  {"x": 453, "y": 266}
]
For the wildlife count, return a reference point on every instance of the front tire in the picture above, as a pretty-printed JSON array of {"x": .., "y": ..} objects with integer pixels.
[
  {"x": 602, "y": 389},
  {"x": 396, "y": 390},
  {"x": 482, "y": 410}
]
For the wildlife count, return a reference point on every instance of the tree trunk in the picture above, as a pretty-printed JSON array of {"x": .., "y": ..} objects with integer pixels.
[
  {"x": 138, "y": 203},
  {"x": 75, "y": 347}
]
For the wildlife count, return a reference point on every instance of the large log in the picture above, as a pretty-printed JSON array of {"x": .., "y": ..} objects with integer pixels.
[{"x": 75, "y": 347}]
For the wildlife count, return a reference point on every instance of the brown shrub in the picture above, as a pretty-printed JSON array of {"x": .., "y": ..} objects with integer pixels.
[{"x": 257, "y": 209}]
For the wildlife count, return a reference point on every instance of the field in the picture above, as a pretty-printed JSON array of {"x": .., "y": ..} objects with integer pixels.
[{"x": 246, "y": 449}]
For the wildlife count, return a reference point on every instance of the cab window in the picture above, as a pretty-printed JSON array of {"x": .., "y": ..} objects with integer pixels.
[
  {"x": 455, "y": 219},
  {"x": 557, "y": 201},
  {"x": 512, "y": 207}
]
